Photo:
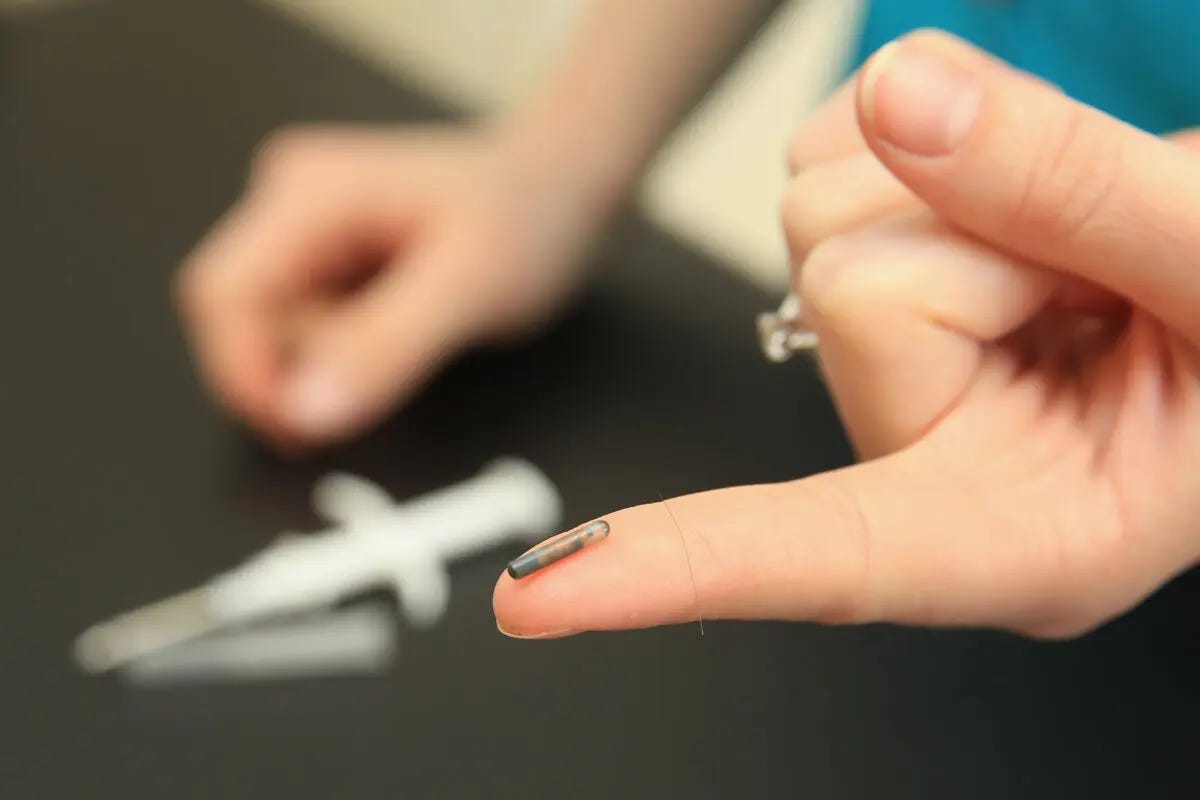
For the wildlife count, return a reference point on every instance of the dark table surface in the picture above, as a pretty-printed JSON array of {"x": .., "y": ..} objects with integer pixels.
[{"x": 124, "y": 130}]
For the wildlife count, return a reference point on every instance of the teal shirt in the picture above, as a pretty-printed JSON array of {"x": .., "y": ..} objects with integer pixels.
[{"x": 1139, "y": 60}]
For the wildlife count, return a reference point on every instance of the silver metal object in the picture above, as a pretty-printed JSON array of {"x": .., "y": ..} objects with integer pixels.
[{"x": 782, "y": 333}]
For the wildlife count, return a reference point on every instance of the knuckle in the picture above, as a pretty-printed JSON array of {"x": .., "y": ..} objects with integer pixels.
[
  {"x": 1068, "y": 184},
  {"x": 841, "y": 281},
  {"x": 193, "y": 296},
  {"x": 1057, "y": 627},
  {"x": 188, "y": 289},
  {"x": 930, "y": 37},
  {"x": 183, "y": 293},
  {"x": 853, "y": 604},
  {"x": 1061, "y": 597},
  {"x": 286, "y": 152},
  {"x": 792, "y": 157},
  {"x": 1061, "y": 605},
  {"x": 796, "y": 154},
  {"x": 198, "y": 290},
  {"x": 807, "y": 221}
]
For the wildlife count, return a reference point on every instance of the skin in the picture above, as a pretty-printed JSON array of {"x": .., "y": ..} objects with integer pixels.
[
  {"x": 359, "y": 261},
  {"x": 1005, "y": 291}
]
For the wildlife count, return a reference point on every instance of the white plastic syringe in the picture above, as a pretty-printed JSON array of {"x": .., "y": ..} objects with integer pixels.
[{"x": 374, "y": 543}]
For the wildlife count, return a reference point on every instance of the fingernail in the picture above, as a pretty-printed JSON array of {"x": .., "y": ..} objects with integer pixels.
[
  {"x": 919, "y": 102},
  {"x": 318, "y": 404},
  {"x": 558, "y": 634}
]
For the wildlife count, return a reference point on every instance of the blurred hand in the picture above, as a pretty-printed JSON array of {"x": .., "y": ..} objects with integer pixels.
[
  {"x": 1006, "y": 286},
  {"x": 357, "y": 262}
]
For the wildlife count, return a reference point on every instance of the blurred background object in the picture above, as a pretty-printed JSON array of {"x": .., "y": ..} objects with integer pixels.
[
  {"x": 716, "y": 184},
  {"x": 369, "y": 542}
]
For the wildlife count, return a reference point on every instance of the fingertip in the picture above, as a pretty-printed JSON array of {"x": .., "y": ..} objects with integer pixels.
[
  {"x": 596, "y": 588},
  {"x": 549, "y": 603},
  {"x": 356, "y": 360},
  {"x": 867, "y": 80},
  {"x": 561, "y": 634},
  {"x": 238, "y": 365},
  {"x": 934, "y": 49},
  {"x": 506, "y": 606},
  {"x": 918, "y": 102},
  {"x": 318, "y": 403}
]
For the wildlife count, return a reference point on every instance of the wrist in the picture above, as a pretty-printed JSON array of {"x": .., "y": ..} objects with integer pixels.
[{"x": 564, "y": 155}]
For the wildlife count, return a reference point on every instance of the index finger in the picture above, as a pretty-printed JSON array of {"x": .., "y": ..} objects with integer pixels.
[{"x": 879, "y": 541}]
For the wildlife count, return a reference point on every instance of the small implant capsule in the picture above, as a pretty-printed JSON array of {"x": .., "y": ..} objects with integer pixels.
[{"x": 557, "y": 549}]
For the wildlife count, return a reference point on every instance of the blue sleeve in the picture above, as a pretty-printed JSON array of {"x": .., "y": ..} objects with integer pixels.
[{"x": 1135, "y": 59}]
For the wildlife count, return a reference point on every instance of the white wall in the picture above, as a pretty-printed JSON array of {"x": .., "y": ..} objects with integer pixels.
[{"x": 478, "y": 54}]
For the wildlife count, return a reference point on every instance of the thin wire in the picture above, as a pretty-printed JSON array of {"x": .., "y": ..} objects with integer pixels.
[{"x": 687, "y": 557}]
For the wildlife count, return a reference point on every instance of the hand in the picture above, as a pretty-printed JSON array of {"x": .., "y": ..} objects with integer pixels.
[
  {"x": 1018, "y": 354},
  {"x": 837, "y": 184},
  {"x": 357, "y": 262}
]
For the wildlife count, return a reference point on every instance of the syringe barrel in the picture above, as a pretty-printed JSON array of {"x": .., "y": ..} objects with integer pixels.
[{"x": 510, "y": 499}]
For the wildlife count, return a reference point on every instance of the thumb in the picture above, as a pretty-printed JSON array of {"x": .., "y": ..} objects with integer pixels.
[
  {"x": 1033, "y": 172},
  {"x": 365, "y": 355},
  {"x": 884, "y": 540}
]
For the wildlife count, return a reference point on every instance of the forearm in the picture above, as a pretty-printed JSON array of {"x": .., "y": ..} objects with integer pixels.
[{"x": 633, "y": 69}]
